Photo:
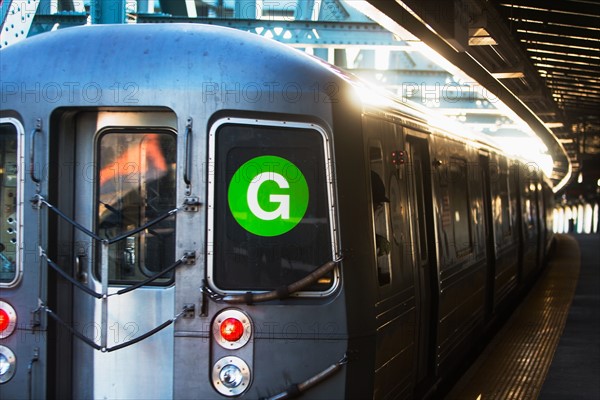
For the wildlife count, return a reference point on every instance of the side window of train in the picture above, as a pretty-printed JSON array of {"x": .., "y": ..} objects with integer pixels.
[
  {"x": 530, "y": 208},
  {"x": 136, "y": 184},
  {"x": 532, "y": 204},
  {"x": 11, "y": 195},
  {"x": 459, "y": 203},
  {"x": 527, "y": 209},
  {"x": 513, "y": 186},
  {"x": 381, "y": 219},
  {"x": 505, "y": 194}
]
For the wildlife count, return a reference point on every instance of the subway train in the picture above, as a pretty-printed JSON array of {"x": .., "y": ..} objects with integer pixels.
[{"x": 196, "y": 212}]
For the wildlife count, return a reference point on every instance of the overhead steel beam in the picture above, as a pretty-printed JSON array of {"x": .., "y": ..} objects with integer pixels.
[
  {"x": 553, "y": 39},
  {"x": 299, "y": 33},
  {"x": 548, "y": 16},
  {"x": 583, "y": 7},
  {"x": 579, "y": 53},
  {"x": 554, "y": 62},
  {"x": 46, "y": 22},
  {"x": 569, "y": 31}
]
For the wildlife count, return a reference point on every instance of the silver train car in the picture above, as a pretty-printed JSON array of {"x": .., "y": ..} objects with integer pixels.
[{"x": 195, "y": 212}]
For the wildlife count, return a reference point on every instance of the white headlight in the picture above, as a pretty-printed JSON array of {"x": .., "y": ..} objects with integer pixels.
[
  {"x": 231, "y": 376},
  {"x": 8, "y": 364}
]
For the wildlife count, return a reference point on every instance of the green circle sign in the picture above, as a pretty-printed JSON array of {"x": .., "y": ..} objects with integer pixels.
[{"x": 268, "y": 196}]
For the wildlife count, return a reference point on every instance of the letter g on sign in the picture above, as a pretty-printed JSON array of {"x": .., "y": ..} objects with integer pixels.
[{"x": 268, "y": 195}]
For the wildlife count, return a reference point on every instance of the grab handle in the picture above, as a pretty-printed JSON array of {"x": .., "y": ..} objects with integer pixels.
[
  {"x": 187, "y": 172},
  {"x": 34, "y": 133}
]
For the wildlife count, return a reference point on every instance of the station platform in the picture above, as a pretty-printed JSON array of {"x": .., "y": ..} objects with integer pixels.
[{"x": 549, "y": 349}]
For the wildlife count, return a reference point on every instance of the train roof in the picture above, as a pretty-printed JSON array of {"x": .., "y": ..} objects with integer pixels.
[
  {"x": 157, "y": 57},
  {"x": 166, "y": 61}
]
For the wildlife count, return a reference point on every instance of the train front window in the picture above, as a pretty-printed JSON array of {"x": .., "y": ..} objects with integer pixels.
[
  {"x": 136, "y": 184},
  {"x": 271, "y": 223},
  {"x": 9, "y": 212}
]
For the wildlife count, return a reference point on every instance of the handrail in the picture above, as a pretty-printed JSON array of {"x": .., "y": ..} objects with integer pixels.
[
  {"x": 187, "y": 171},
  {"x": 34, "y": 133}
]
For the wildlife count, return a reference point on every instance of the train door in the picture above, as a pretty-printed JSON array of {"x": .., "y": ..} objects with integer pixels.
[
  {"x": 123, "y": 199},
  {"x": 421, "y": 215}
]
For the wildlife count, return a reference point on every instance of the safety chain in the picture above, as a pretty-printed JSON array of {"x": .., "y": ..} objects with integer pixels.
[
  {"x": 188, "y": 258},
  {"x": 97, "y": 295},
  {"x": 38, "y": 200},
  {"x": 105, "y": 349}
]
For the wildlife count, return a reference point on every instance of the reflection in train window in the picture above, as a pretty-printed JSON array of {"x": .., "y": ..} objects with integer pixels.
[
  {"x": 459, "y": 202},
  {"x": 380, "y": 216},
  {"x": 9, "y": 198},
  {"x": 530, "y": 206},
  {"x": 136, "y": 184},
  {"x": 396, "y": 209},
  {"x": 513, "y": 187},
  {"x": 505, "y": 208},
  {"x": 501, "y": 205}
]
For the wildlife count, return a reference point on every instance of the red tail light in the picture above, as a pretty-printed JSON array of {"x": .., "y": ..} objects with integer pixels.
[
  {"x": 8, "y": 319},
  {"x": 232, "y": 329},
  {"x": 3, "y": 320}
]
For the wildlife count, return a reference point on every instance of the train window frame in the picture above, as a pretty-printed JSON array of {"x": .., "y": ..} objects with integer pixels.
[
  {"x": 20, "y": 140},
  {"x": 141, "y": 242},
  {"x": 467, "y": 247},
  {"x": 215, "y": 126}
]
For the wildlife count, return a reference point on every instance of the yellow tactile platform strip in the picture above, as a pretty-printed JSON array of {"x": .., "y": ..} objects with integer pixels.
[{"x": 515, "y": 363}]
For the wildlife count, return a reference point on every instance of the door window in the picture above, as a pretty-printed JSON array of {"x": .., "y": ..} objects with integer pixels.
[{"x": 136, "y": 184}]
